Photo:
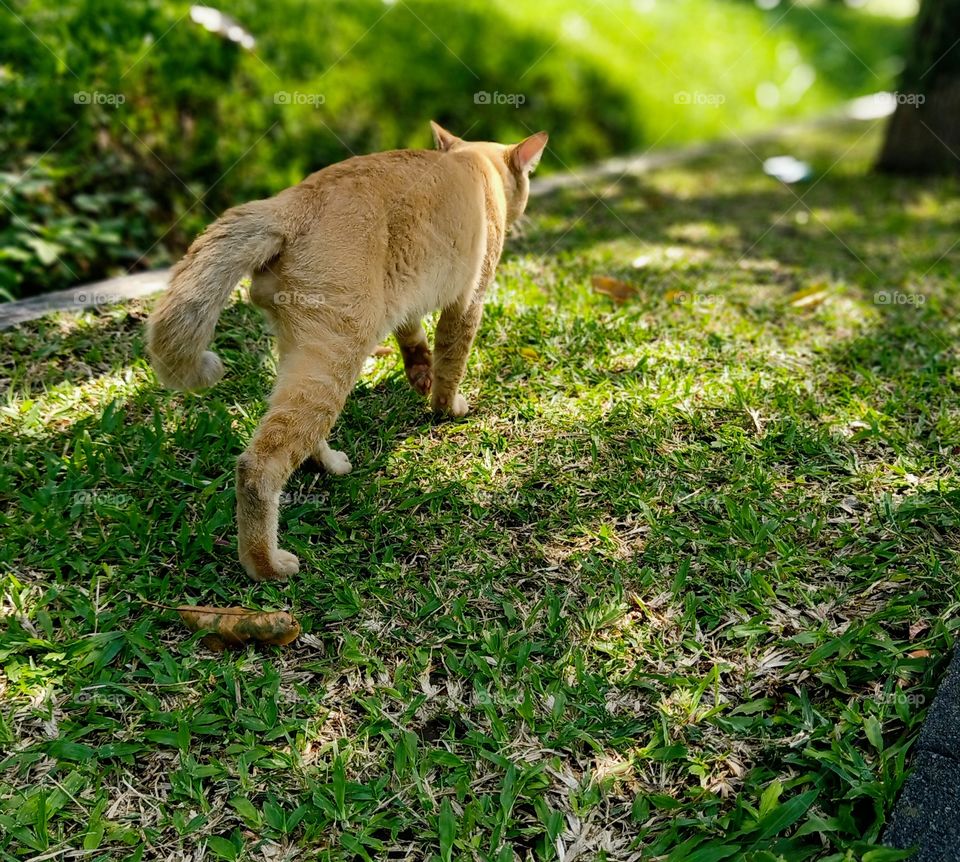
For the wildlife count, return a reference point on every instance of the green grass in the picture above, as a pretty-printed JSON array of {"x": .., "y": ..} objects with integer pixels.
[{"x": 655, "y": 598}]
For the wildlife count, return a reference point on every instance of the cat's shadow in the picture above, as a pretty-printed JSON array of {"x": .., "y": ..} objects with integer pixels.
[{"x": 374, "y": 418}]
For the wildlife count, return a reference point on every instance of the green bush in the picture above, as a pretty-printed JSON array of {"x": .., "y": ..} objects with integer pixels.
[
  {"x": 68, "y": 225},
  {"x": 125, "y": 128},
  {"x": 120, "y": 138}
]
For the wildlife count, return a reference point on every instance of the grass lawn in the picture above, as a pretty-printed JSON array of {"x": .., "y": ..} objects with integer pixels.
[{"x": 680, "y": 587}]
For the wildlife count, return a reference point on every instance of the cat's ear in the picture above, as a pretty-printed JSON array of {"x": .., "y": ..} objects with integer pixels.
[
  {"x": 525, "y": 156},
  {"x": 443, "y": 139}
]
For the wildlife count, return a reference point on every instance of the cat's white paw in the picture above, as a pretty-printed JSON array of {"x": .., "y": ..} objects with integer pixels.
[
  {"x": 459, "y": 407},
  {"x": 335, "y": 462},
  {"x": 280, "y": 566},
  {"x": 285, "y": 563}
]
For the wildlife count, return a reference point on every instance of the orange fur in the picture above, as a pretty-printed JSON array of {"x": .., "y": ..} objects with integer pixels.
[{"x": 357, "y": 250}]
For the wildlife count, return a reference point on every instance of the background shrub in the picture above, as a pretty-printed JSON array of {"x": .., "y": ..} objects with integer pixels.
[{"x": 125, "y": 128}]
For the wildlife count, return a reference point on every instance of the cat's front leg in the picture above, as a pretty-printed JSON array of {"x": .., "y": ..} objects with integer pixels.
[
  {"x": 452, "y": 341},
  {"x": 332, "y": 460},
  {"x": 417, "y": 359}
]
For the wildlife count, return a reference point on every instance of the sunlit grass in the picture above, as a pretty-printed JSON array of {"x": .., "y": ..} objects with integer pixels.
[{"x": 661, "y": 592}]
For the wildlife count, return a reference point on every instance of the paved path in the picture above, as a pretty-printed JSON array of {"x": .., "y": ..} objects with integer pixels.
[{"x": 927, "y": 815}]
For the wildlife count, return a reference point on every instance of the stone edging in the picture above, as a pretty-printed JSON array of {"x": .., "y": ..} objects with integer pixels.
[
  {"x": 126, "y": 287},
  {"x": 107, "y": 292}
]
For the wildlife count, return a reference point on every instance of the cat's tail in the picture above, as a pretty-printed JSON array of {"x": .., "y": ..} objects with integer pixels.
[{"x": 181, "y": 327}]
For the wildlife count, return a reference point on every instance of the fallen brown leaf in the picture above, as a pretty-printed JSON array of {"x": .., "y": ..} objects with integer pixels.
[
  {"x": 809, "y": 297},
  {"x": 237, "y": 626},
  {"x": 617, "y": 290}
]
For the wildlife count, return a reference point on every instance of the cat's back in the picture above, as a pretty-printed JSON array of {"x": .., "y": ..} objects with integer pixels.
[
  {"x": 414, "y": 218},
  {"x": 380, "y": 176},
  {"x": 406, "y": 225},
  {"x": 396, "y": 182}
]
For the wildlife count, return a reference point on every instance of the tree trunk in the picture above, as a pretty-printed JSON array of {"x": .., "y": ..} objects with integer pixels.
[{"x": 924, "y": 132}]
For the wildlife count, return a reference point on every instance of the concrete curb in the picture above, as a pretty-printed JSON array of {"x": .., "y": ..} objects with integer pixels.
[
  {"x": 927, "y": 815},
  {"x": 107, "y": 292},
  {"x": 864, "y": 110},
  {"x": 127, "y": 287}
]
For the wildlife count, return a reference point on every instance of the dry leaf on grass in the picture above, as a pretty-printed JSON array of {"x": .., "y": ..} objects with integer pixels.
[
  {"x": 617, "y": 290},
  {"x": 809, "y": 297},
  {"x": 382, "y": 350},
  {"x": 237, "y": 626}
]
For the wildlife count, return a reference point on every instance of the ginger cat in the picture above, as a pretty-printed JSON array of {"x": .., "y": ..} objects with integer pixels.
[{"x": 357, "y": 250}]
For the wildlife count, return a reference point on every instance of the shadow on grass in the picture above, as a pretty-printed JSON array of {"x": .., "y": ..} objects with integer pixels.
[
  {"x": 713, "y": 596},
  {"x": 871, "y": 237}
]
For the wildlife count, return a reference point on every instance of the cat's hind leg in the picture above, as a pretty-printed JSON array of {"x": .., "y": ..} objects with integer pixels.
[
  {"x": 312, "y": 385},
  {"x": 417, "y": 359}
]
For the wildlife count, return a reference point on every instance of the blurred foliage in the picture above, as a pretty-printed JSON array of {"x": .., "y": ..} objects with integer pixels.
[
  {"x": 67, "y": 226},
  {"x": 163, "y": 124}
]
